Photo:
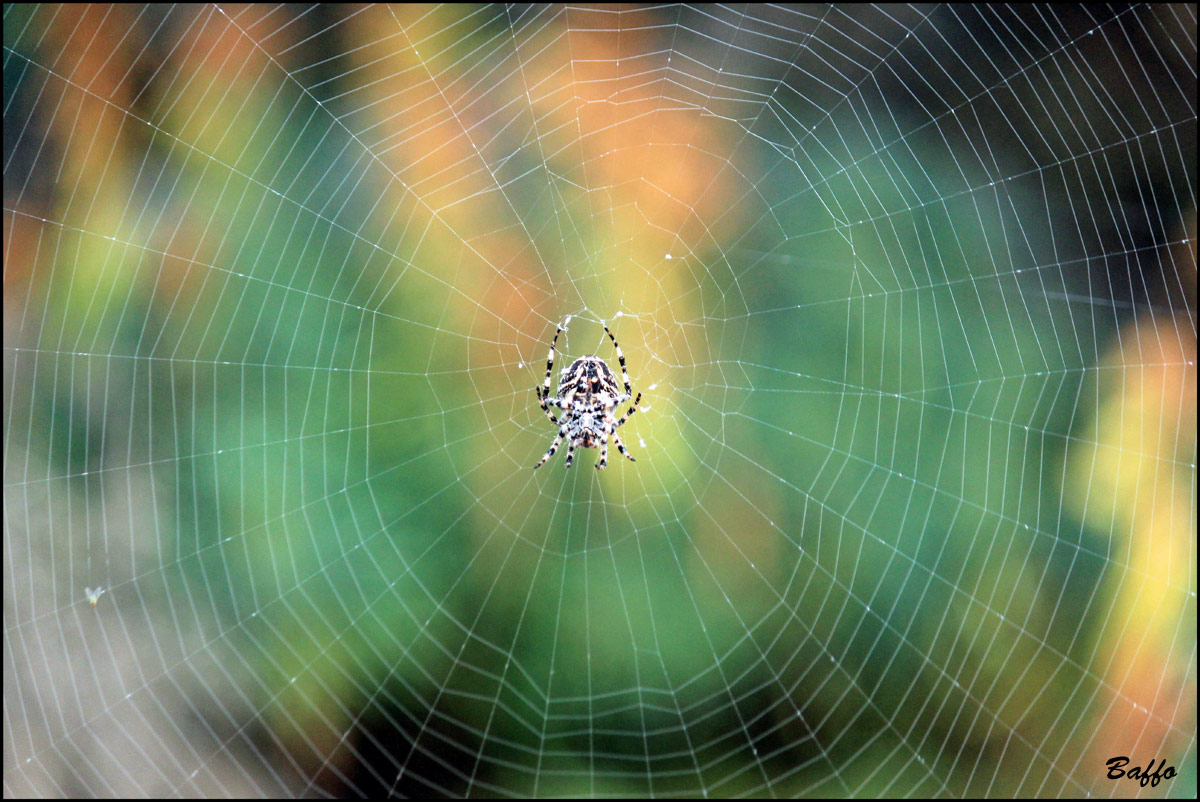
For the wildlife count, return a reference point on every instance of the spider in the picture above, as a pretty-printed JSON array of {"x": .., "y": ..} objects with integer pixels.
[{"x": 589, "y": 396}]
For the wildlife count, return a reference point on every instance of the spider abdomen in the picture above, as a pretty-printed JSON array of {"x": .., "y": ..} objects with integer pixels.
[{"x": 589, "y": 381}]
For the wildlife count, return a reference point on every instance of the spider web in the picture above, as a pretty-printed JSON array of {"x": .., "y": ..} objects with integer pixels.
[{"x": 910, "y": 295}]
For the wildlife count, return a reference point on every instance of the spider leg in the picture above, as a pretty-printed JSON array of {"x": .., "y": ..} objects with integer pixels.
[
  {"x": 545, "y": 391},
  {"x": 548, "y": 402},
  {"x": 630, "y": 411},
  {"x": 621, "y": 447},
  {"x": 553, "y": 448},
  {"x": 570, "y": 452},
  {"x": 603, "y": 456},
  {"x": 621, "y": 359}
]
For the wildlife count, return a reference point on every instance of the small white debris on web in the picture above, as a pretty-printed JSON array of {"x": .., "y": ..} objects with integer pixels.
[
  {"x": 642, "y": 442},
  {"x": 618, "y": 314},
  {"x": 654, "y": 386},
  {"x": 93, "y": 596},
  {"x": 567, "y": 322},
  {"x": 520, "y": 365},
  {"x": 668, "y": 256}
]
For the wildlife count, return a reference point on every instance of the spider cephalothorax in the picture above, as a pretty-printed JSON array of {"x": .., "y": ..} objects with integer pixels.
[{"x": 588, "y": 395}]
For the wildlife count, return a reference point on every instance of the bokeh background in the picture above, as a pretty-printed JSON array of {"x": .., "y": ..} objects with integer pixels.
[{"x": 911, "y": 296}]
